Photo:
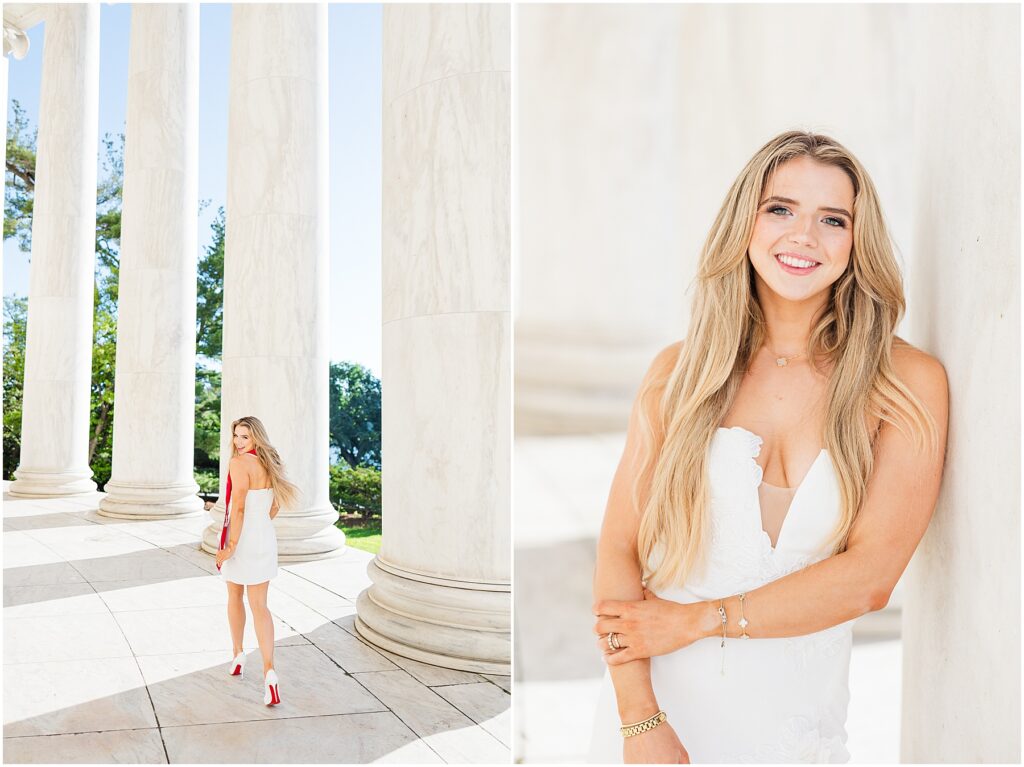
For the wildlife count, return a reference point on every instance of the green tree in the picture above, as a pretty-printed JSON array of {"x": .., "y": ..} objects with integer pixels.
[
  {"x": 15, "y": 317},
  {"x": 207, "y": 441},
  {"x": 355, "y": 414},
  {"x": 210, "y": 299},
  {"x": 20, "y": 178},
  {"x": 356, "y": 491}
]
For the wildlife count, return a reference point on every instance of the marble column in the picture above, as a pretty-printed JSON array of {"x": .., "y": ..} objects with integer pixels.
[
  {"x": 441, "y": 583},
  {"x": 154, "y": 395},
  {"x": 58, "y": 353},
  {"x": 275, "y": 363},
  {"x": 961, "y": 699},
  {"x": 601, "y": 277}
]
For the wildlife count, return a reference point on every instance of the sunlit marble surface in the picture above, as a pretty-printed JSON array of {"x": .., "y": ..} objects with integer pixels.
[{"x": 116, "y": 646}]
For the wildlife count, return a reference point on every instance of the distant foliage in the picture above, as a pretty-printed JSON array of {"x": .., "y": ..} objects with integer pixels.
[
  {"x": 210, "y": 299},
  {"x": 19, "y": 178},
  {"x": 15, "y": 314},
  {"x": 355, "y": 414},
  {"x": 207, "y": 435},
  {"x": 356, "y": 491}
]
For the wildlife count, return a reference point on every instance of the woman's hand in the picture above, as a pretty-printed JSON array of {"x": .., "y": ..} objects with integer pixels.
[
  {"x": 645, "y": 628},
  {"x": 225, "y": 554},
  {"x": 658, "y": 746}
]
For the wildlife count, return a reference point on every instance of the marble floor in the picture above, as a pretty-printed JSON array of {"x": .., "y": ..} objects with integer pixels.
[
  {"x": 560, "y": 488},
  {"x": 116, "y": 649}
]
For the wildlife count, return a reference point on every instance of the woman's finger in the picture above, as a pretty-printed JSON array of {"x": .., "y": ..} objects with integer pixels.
[
  {"x": 620, "y": 657},
  {"x": 620, "y": 640}
]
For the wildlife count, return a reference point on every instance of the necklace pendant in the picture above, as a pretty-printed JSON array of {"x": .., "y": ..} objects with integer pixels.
[{"x": 781, "y": 362}]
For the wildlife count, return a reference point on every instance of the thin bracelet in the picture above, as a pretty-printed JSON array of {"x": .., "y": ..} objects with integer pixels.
[
  {"x": 721, "y": 612},
  {"x": 743, "y": 621}
]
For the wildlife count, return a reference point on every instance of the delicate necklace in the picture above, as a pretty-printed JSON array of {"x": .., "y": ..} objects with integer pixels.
[{"x": 779, "y": 359}]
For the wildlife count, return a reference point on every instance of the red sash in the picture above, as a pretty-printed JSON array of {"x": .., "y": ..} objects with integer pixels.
[{"x": 227, "y": 514}]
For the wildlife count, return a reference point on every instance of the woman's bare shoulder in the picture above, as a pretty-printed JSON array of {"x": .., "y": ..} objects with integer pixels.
[
  {"x": 922, "y": 372},
  {"x": 925, "y": 377},
  {"x": 665, "y": 360}
]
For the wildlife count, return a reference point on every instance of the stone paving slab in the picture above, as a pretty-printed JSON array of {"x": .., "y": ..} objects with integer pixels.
[
  {"x": 52, "y": 599},
  {"x": 117, "y": 645},
  {"x": 78, "y": 695},
  {"x": 485, "y": 703},
  {"x": 453, "y": 735},
  {"x": 359, "y": 738},
  {"x": 63, "y": 637},
  {"x": 195, "y": 688},
  {"x": 116, "y": 746}
]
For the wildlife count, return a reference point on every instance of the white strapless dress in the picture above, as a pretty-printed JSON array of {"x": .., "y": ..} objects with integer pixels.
[
  {"x": 255, "y": 558},
  {"x": 779, "y": 700}
]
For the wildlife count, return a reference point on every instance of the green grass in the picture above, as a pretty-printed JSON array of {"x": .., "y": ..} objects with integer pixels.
[{"x": 360, "y": 534}]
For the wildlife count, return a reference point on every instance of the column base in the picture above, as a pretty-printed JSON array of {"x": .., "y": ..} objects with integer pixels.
[
  {"x": 128, "y": 501},
  {"x": 462, "y": 625},
  {"x": 47, "y": 484},
  {"x": 302, "y": 537}
]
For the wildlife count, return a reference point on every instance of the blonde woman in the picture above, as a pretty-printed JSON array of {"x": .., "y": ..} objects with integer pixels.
[
  {"x": 781, "y": 465},
  {"x": 247, "y": 559}
]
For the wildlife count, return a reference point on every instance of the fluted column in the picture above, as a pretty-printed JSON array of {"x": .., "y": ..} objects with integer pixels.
[
  {"x": 441, "y": 583},
  {"x": 58, "y": 353},
  {"x": 154, "y": 394},
  {"x": 275, "y": 263}
]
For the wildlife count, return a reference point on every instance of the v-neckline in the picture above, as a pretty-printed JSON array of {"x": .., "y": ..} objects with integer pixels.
[{"x": 757, "y": 497}]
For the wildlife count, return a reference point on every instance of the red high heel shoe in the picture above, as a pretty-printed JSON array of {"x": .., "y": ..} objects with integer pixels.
[
  {"x": 237, "y": 667},
  {"x": 271, "y": 697}
]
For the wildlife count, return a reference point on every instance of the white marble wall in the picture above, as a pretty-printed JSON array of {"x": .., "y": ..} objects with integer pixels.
[
  {"x": 441, "y": 581},
  {"x": 154, "y": 399},
  {"x": 276, "y": 259},
  {"x": 633, "y": 122},
  {"x": 961, "y": 686},
  {"x": 600, "y": 272},
  {"x": 58, "y": 354}
]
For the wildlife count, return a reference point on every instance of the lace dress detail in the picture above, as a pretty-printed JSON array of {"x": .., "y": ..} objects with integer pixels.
[{"x": 780, "y": 699}]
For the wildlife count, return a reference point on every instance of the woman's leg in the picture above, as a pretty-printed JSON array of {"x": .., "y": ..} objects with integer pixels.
[
  {"x": 262, "y": 622},
  {"x": 236, "y": 616}
]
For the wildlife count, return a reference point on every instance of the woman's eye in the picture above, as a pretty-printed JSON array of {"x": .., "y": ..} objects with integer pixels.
[
  {"x": 776, "y": 208},
  {"x": 835, "y": 221}
]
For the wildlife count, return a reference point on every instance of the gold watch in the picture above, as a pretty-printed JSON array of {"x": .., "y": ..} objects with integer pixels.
[{"x": 629, "y": 730}]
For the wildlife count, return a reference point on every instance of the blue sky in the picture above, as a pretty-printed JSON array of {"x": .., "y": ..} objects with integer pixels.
[{"x": 354, "y": 39}]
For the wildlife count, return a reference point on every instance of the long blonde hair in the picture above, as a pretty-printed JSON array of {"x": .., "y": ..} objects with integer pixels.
[
  {"x": 285, "y": 493},
  {"x": 854, "y": 335}
]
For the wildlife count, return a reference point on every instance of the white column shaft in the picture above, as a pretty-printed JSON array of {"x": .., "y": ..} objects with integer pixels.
[
  {"x": 441, "y": 582},
  {"x": 961, "y": 698},
  {"x": 276, "y": 259},
  {"x": 154, "y": 400},
  {"x": 58, "y": 354}
]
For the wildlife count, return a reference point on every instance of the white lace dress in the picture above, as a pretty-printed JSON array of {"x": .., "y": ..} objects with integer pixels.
[{"x": 779, "y": 700}]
